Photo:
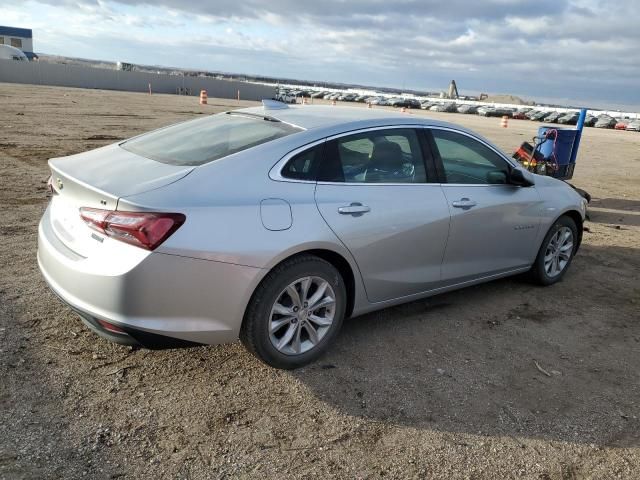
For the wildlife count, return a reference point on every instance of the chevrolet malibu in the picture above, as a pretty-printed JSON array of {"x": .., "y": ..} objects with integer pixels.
[{"x": 274, "y": 223}]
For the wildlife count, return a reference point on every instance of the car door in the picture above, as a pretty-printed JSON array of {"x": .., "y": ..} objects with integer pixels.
[
  {"x": 373, "y": 191},
  {"x": 494, "y": 224}
]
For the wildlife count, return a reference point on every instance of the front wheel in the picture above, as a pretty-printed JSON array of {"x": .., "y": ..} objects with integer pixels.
[
  {"x": 556, "y": 252},
  {"x": 295, "y": 313}
]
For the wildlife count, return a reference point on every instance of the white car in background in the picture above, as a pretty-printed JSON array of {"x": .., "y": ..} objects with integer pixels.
[
  {"x": 634, "y": 126},
  {"x": 286, "y": 98},
  {"x": 7, "y": 52}
]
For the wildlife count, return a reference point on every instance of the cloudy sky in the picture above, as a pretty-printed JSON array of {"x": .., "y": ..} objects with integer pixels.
[{"x": 578, "y": 51}]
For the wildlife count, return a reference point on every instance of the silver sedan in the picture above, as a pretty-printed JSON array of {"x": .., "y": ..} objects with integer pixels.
[{"x": 274, "y": 223}]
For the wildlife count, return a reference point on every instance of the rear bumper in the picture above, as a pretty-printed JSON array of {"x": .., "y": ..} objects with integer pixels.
[
  {"x": 127, "y": 335},
  {"x": 132, "y": 336},
  {"x": 161, "y": 301}
]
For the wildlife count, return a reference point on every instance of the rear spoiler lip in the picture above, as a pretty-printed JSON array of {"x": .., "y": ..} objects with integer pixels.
[
  {"x": 55, "y": 169},
  {"x": 127, "y": 197}
]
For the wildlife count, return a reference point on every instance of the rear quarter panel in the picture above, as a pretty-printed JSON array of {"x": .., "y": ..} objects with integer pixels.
[{"x": 222, "y": 204}]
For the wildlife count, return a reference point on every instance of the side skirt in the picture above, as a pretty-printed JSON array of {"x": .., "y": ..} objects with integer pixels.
[{"x": 430, "y": 293}]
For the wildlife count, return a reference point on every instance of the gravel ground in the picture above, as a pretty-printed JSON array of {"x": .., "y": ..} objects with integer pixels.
[{"x": 442, "y": 388}]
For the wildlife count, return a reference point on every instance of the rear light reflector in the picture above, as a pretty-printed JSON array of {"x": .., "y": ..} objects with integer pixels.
[
  {"x": 143, "y": 229},
  {"x": 50, "y": 188},
  {"x": 110, "y": 327}
]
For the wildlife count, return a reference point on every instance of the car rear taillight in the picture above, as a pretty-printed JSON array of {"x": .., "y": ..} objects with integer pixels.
[{"x": 142, "y": 229}]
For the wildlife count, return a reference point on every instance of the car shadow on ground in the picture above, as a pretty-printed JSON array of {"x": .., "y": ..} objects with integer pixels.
[
  {"x": 617, "y": 204},
  {"x": 618, "y": 211},
  {"x": 26, "y": 395},
  {"x": 505, "y": 358}
]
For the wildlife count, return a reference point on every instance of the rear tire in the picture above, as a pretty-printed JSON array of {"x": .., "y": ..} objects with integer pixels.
[
  {"x": 295, "y": 313},
  {"x": 556, "y": 253}
]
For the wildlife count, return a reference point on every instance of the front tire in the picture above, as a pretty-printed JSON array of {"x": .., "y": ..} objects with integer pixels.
[
  {"x": 295, "y": 313},
  {"x": 556, "y": 252}
]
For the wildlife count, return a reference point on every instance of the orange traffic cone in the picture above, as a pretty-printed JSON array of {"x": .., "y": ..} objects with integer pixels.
[
  {"x": 333, "y": 102},
  {"x": 203, "y": 97},
  {"x": 504, "y": 123}
]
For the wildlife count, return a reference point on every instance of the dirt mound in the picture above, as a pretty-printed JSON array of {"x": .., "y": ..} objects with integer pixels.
[{"x": 512, "y": 99}]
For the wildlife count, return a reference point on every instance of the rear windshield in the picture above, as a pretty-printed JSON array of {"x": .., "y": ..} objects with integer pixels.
[{"x": 200, "y": 141}]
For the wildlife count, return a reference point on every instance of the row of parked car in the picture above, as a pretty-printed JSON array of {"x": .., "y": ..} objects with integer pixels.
[
  {"x": 292, "y": 96},
  {"x": 571, "y": 118},
  {"x": 523, "y": 113},
  {"x": 526, "y": 113}
]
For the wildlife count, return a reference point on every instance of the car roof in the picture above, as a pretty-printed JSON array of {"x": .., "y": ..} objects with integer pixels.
[{"x": 347, "y": 118}]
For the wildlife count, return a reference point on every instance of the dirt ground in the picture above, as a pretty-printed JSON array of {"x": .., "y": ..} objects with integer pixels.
[{"x": 442, "y": 388}]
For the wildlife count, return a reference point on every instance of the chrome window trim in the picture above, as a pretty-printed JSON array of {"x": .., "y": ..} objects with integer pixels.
[
  {"x": 480, "y": 185},
  {"x": 371, "y": 129},
  {"x": 276, "y": 171},
  {"x": 363, "y": 184}
]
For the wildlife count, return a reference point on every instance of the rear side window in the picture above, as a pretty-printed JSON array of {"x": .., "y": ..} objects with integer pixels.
[
  {"x": 201, "y": 141},
  {"x": 304, "y": 165},
  {"x": 378, "y": 156}
]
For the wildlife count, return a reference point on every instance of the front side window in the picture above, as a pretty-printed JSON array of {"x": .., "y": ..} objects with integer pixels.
[
  {"x": 200, "y": 141},
  {"x": 379, "y": 156},
  {"x": 466, "y": 160}
]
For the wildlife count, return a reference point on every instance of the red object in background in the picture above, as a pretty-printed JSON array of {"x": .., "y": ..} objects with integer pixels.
[
  {"x": 519, "y": 116},
  {"x": 621, "y": 126}
]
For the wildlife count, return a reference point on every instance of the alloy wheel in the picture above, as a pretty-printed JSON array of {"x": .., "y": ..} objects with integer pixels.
[
  {"x": 302, "y": 315},
  {"x": 558, "y": 253}
]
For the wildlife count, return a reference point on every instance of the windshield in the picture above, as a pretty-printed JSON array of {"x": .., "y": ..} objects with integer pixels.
[{"x": 197, "y": 142}]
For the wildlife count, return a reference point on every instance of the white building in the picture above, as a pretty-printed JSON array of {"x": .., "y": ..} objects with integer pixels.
[{"x": 21, "y": 38}]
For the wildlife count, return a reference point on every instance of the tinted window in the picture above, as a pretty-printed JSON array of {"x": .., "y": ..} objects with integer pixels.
[
  {"x": 381, "y": 156},
  {"x": 200, "y": 141},
  {"x": 303, "y": 166},
  {"x": 466, "y": 160}
]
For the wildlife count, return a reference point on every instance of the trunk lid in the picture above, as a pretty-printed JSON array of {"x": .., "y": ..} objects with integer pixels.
[{"x": 98, "y": 179}]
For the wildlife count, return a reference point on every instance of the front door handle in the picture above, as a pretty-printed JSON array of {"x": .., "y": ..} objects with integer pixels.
[
  {"x": 464, "y": 203},
  {"x": 355, "y": 209}
]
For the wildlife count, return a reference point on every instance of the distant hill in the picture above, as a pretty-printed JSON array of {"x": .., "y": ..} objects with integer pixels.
[{"x": 511, "y": 99}]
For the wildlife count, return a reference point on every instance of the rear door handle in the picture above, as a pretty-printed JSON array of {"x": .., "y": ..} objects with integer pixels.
[
  {"x": 354, "y": 209},
  {"x": 464, "y": 203}
]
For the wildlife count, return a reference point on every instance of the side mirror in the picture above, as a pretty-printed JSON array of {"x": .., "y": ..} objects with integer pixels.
[{"x": 517, "y": 177}]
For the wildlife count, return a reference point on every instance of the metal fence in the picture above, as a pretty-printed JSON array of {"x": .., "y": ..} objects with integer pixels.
[{"x": 40, "y": 73}]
